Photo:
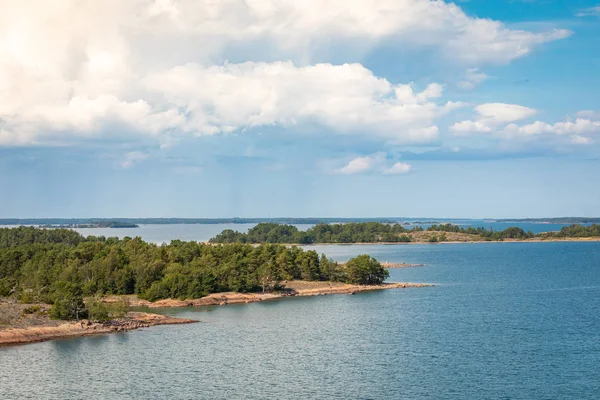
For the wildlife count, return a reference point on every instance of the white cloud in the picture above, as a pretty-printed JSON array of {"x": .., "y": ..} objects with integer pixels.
[
  {"x": 577, "y": 139},
  {"x": 344, "y": 98},
  {"x": 502, "y": 113},
  {"x": 590, "y": 114},
  {"x": 301, "y": 26},
  {"x": 466, "y": 127},
  {"x": 220, "y": 99},
  {"x": 502, "y": 120},
  {"x": 473, "y": 78},
  {"x": 359, "y": 165},
  {"x": 589, "y": 12},
  {"x": 492, "y": 115},
  {"x": 71, "y": 69},
  {"x": 132, "y": 158},
  {"x": 373, "y": 163},
  {"x": 579, "y": 127},
  {"x": 398, "y": 168}
]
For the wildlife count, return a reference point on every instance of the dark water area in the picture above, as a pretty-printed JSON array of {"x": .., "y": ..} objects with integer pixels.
[{"x": 505, "y": 321}]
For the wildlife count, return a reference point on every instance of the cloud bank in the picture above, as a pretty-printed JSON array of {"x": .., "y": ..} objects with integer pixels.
[{"x": 74, "y": 70}]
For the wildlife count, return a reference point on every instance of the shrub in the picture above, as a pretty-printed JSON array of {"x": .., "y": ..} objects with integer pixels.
[
  {"x": 69, "y": 308},
  {"x": 100, "y": 311}
]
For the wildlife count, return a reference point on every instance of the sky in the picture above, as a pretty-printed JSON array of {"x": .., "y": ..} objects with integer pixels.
[{"x": 323, "y": 108}]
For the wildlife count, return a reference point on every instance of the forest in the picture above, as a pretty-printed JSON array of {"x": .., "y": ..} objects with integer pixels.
[{"x": 61, "y": 267}]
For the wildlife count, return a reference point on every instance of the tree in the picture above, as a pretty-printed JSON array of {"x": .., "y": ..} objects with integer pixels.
[
  {"x": 330, "y": 270},
  {"x": 68, "y": 302},
  {"x": 365, "y": 270}
]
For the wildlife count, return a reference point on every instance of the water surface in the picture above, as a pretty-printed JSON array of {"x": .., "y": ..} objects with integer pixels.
[{"x": 506, "y": 321}]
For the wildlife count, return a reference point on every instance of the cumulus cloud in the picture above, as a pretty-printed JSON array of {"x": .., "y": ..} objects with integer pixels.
[
  {"x": 492, "y": 115},
  {"x": 578, "y": 127},
  {"x": 502, "y": 120},
  {"x": 359, "y": 165},
  {"x": 71, "y": 69},
  {"x": 345, "y": 98},
  {"x": 373, "y": 163},
  {"x": 398, "y": 168},
  {"x": 302, "y": 25}
]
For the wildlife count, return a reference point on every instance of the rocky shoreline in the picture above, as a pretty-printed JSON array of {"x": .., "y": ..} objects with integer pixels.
[
  {"x": 41, "y": 333},
  {"x": 293, "y": 288},
  {"x": 400, "y": 265},
  {"x": 29, "y": 329}
]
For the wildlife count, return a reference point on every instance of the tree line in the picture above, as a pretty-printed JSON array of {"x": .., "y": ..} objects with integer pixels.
[
  {"x": 356, "y": 232},
  {"x": 575, "y": 231},
  {"x": 61, "y": 267}
]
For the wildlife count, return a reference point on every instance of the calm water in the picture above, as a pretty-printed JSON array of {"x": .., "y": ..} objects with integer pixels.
[
  {"x": 506, "y": 321},
  {"x": 204, "y": 232},
  {"x": 166, "y": 233}
]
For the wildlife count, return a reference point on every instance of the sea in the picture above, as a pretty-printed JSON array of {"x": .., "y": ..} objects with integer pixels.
[{"x": 503, "y": 321}]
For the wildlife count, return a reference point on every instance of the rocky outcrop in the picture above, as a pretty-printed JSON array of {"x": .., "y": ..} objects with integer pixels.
[{"x": 133, "y": 320}]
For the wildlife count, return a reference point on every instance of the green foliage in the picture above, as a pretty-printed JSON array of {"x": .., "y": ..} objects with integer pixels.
[
  {"x": 433, "y": 239},
  {"x": 358, "y": 232},
  {"x": 365, "y": 270},
  {"x": 12, "y": 237},
  {"x": 68, "y": 302},
  {"x": 354, "y": 232},
  {"x": 37, "y": 267},
  {"x": 101, "y": 311},
  {"x": 576, "y": 231},
  {"x": 509, "y": 233}
]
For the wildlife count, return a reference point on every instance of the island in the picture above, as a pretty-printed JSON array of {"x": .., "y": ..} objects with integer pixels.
[
  {"x": 377, "y": 232},
  {"x": 57, "y": 283},
  {"x": 98, "y": 224}
]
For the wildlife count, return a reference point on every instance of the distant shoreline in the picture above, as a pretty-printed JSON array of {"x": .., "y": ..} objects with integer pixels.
[
  {"x": 289, "y": 220},
  {"x": 534, "y": 240}
]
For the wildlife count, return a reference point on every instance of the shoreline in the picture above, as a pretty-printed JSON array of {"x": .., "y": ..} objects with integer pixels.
[
  {"x": 391, "y": 265},
  {"x": 73, "y": 329},
  {"x": 535, "y": 240},
  {"x": 293, "y": 289},
  {"x": 52, "y": 329}
]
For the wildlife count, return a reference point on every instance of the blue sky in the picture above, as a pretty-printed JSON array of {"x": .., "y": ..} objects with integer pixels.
[{"x": 411, "y": 108}]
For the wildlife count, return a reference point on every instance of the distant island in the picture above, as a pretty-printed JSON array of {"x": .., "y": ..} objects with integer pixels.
[
  {"x": 561, "y": 220},
  {"x": 48, "y": 275},
  {"x": 376, "y": 232},
  {"x": 99, "y": 224},
  {"x": 281, "y": 220}
]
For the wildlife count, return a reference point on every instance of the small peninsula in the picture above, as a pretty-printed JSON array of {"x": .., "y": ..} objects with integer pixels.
[{"x": 57, "y": 283}]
